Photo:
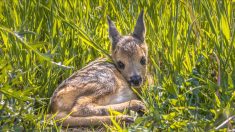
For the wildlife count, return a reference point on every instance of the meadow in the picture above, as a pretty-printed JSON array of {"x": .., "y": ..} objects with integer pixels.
[{"x": 191, "y": 59}]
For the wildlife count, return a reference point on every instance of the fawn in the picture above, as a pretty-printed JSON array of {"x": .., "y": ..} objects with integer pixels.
[{"x": 86, "y": 97}]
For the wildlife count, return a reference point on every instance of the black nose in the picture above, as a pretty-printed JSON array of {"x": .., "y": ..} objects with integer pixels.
[{"x": 135, "y": 80}]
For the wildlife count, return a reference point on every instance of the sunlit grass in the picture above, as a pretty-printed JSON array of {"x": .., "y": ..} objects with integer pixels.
[{"x": 191, "y": 58}]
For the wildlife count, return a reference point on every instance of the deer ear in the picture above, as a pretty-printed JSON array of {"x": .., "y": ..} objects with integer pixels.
[
  {"x": 139, "y": 31},
  {"x": 113, "y": 33}
]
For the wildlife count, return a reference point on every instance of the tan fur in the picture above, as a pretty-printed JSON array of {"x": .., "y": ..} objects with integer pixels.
[{"x": 86, "y": 97}]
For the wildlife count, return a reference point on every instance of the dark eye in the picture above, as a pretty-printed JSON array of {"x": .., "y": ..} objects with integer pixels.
[
  {"x": 143, "y": 61},
  {"x": 120, "y": 65}
]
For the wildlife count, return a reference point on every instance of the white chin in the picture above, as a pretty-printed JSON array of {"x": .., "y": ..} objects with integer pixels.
[{"x": 136, "y": 86}]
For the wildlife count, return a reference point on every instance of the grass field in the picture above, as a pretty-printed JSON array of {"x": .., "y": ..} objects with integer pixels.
[{"x": 191, "y": 58}]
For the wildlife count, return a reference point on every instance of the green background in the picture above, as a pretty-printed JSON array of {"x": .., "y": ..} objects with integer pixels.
[{"x": 191, "y": 58}]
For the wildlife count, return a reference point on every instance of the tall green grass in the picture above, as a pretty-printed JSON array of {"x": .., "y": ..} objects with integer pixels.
[{"x": 191, "y": 58}]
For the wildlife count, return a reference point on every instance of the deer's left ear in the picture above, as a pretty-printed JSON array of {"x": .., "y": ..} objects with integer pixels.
[
  {"x": 139, "y": 31},
  {"x": 113, "y": 33}
]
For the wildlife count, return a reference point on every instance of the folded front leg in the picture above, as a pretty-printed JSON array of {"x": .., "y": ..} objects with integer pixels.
[
  {"x": 95, "y": 110},
  {"x": 66, "y": 120},
  {"x": 134, "y": 105}
]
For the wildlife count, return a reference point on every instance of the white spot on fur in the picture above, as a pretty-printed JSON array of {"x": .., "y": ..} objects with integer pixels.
[{"x": 123, "y": 95}]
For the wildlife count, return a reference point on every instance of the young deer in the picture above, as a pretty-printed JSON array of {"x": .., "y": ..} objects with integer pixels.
[{"x": 86, "y": 97}]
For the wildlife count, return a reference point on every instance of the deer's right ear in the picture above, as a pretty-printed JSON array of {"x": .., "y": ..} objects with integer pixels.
[
  {"x": 139, "y": 31},
  {"x": 113, "y": 33}
]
